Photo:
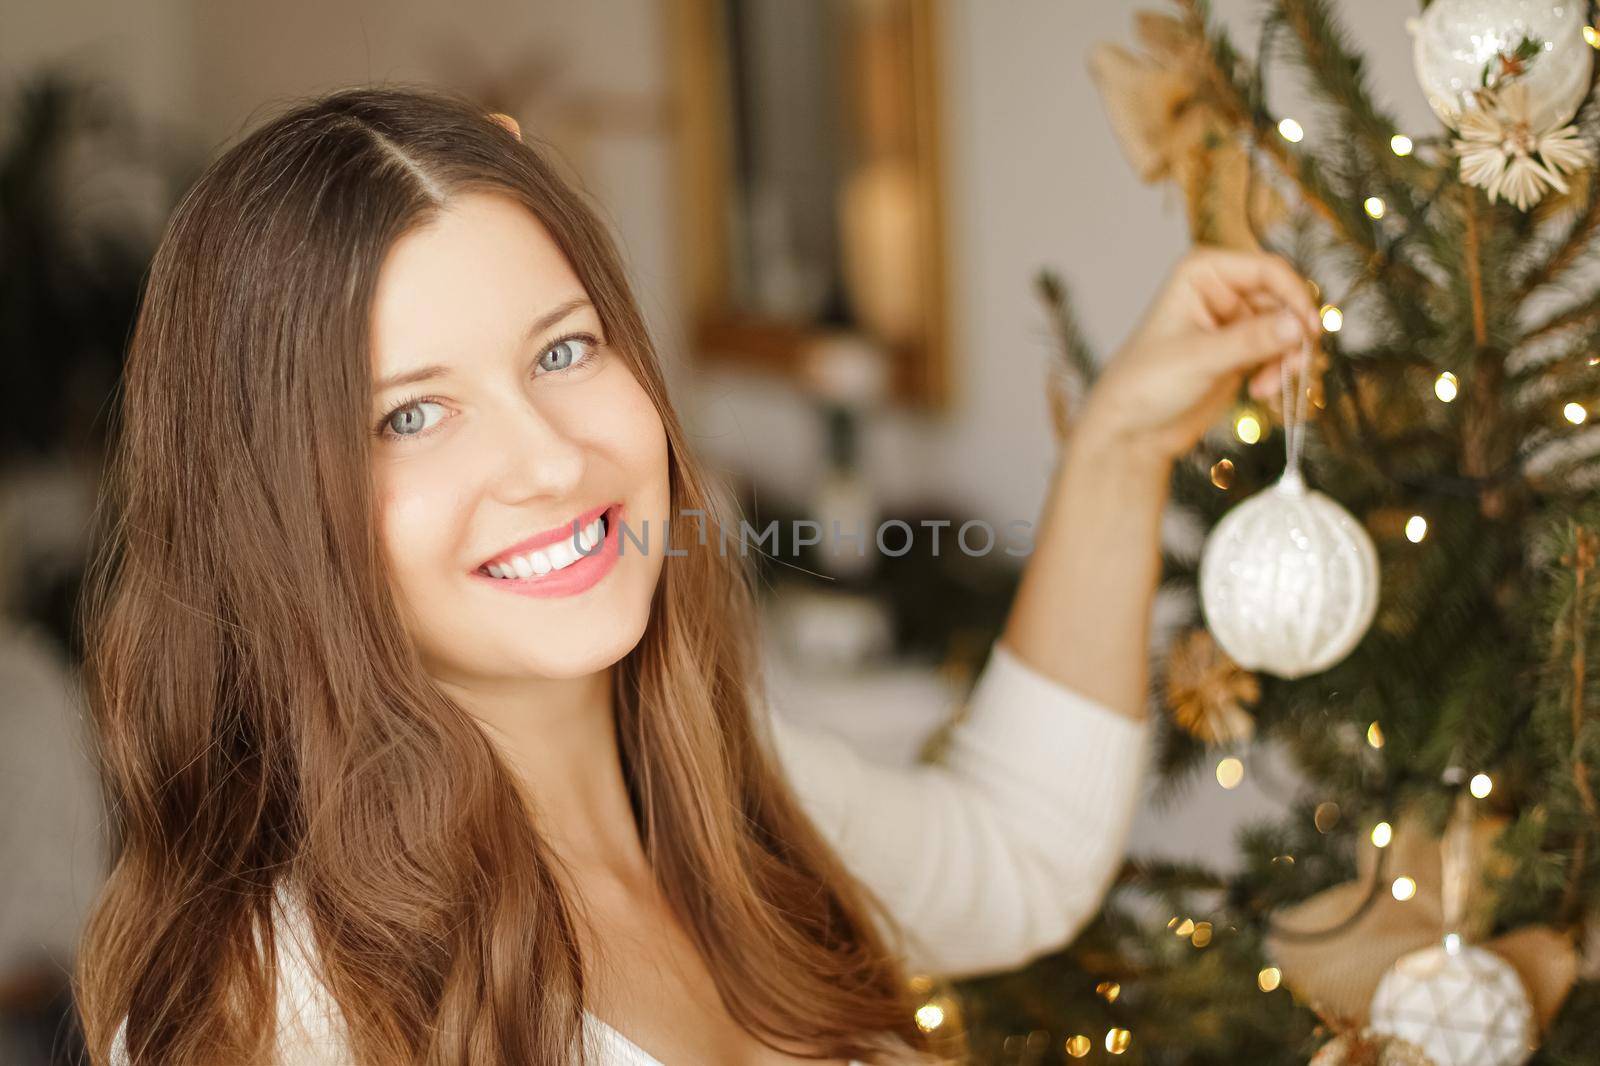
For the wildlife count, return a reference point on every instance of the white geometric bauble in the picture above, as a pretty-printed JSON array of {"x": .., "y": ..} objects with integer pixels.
[
  {"x": 1453, "y": 39},
  {"x": 1464, "y": 1008},
  {"x": 1288, "y": 580}
]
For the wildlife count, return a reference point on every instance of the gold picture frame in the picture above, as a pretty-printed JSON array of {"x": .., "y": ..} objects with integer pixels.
[{"x": 888, "y": 274}]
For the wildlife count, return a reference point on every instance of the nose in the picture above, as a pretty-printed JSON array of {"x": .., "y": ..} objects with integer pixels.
[{"x": 534, "y": 456}]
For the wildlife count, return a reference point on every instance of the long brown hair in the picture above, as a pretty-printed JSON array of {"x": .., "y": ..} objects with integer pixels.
[{"x": 261, "y": 714}]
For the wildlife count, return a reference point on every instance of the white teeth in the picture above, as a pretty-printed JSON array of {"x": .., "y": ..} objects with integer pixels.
[
  {"x": 556, "y": 557},
  {"x": 562, "y": 555}
]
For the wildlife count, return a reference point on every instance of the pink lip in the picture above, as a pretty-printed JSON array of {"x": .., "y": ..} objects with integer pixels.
[
  {"x": 570, "y": 581},
  {"x": 549, "y": 536}
]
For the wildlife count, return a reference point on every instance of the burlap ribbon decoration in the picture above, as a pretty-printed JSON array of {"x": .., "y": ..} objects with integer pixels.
[
  {"x": 1158, "y": 105},
  {"x": 1337, "y": 975}
]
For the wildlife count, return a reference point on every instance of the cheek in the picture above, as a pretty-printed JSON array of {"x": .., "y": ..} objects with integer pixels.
[
  {"x": 422, "y": 502},
  {"x": 624, "y": 424}
]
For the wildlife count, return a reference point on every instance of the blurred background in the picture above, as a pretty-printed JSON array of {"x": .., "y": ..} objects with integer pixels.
[{"x": 834, "y": 212}]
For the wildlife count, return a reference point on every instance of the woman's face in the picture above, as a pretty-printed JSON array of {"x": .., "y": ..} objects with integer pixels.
[{"x": 527, "y": 424}]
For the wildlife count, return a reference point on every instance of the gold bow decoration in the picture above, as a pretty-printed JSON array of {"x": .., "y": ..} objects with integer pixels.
[
  {"x": 1159, "y": 107},
  {"x": 1337, "y": 974}
]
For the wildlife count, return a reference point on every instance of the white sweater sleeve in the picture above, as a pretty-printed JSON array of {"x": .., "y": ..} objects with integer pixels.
[{"x": 1002, "y": 851}]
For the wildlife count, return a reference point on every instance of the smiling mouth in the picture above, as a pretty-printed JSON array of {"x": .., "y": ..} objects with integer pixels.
[{"x": 556, "y": 551}]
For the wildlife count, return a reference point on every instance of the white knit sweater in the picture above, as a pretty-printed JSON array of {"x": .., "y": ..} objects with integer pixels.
[{"x": 986, "y": 860}]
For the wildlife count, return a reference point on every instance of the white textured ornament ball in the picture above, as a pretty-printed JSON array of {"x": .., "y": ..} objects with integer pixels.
[
  {"x": 1288, "y": 581},
  {"x": 1463, "y": 1008},
  {"x": 1453, "y": 39}
]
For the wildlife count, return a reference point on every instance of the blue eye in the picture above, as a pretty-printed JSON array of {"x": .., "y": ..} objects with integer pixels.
[
  {"x": 408, "y": 419},
  {"x": 564, "y": 354},
  {"x": 405, "y": 421}
]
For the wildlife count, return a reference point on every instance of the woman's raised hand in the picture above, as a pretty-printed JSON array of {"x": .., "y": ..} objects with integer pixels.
[{"x": 1221, "y": 315}]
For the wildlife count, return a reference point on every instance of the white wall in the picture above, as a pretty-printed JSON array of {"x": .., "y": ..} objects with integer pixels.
[{"x": 145, "y": 49}]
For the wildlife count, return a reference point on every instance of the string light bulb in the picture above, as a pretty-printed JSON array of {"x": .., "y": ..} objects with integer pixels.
[
  {"x": 1591, "y": 35},
  {"x": 1202, "y": 934},
  {"x": 1247, "y": 427},
  {"x": 1332, "y": 318},
  {"x": 1403, "y": 888},
  {"x": 1230, "y": 772},
  {"x": 1445, "y": 387},
  {"x": 1374, "y": 206},
  {"x": 1375, "y": 735},
  {"x": 1108, "y": 991},
  {"x": 1269, "y": 978},
  {"x": 929, "y": 1017},
  {"x": 1416, "y": 528},
  {"x": 1400, "y": 144},
  {"x": 1079, "y": 1046},
  {"x": 1480, "y": 786},
  {"x": 1185, "y": 928},
  {"x": 1117, "y": 1040},
  {"x": 1382, "y": 835},
  {"x": 1291, "y": 131},
  {"x": 1575, "y": 413}
]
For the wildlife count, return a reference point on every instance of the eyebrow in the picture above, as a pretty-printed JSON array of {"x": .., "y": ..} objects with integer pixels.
[{"x": 428, "y": 373}]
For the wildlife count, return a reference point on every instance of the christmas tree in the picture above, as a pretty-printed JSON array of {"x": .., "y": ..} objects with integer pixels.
[{"x": 1427, "y": 897}]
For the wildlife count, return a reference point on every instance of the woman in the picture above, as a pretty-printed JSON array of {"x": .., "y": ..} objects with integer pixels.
[{"x": 419, "y": 744}]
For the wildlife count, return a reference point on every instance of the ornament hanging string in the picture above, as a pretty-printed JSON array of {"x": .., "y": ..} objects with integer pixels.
[{"x": 1292, "y": 377}]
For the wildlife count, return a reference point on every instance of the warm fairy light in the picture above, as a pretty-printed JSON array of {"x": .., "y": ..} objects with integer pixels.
[
  {"x": 1403, "y": 888},
  {"x": 1108, "y": 991},
  {"x": 1117, "y": 1040},
  {"x": 1172, "y": 923},
  {"x": 1445, "y": 387},
  {"x": 1416, "y": 528},
  {"x": 1202, "y": 934},
  {"x": 1079, "y": 1046},
  {"x": 1481, "y": 785},
  {"x": 1452, "y": 943},
  {"x": 1374, "y": 206},
  {"x": 1222, "y": 473},
  {"x": 1332, "y": 318},
  {"x": 929, "y": 1017},
  {"x": 1592, "y": 35},
  {"x": 1400, "y": 144},
  {"x": 1375, "y": 735},
  {"x": 1291, "y": 130},
  {"x": 1326, "y": 816},
  {"x": 1185, "y": 929},
  {"x": 1382, "y": 834},
  {"x": 1230, "y": 772},
  {"x": 1269, "y": 978},
  {"x": 1247, "y": 427},
  {"x": 1575, "y": 413}
]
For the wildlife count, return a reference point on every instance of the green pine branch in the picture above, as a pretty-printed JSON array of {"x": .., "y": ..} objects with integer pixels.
[{"x": 1236, "y": 92}]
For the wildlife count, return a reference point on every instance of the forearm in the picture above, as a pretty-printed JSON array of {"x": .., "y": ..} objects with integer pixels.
[{"x": 1082, "y": 611}]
